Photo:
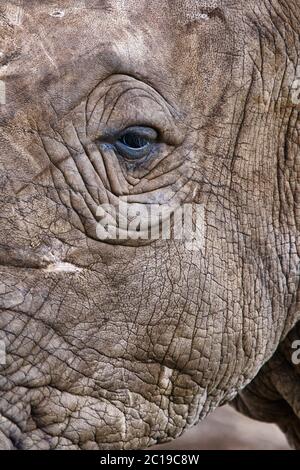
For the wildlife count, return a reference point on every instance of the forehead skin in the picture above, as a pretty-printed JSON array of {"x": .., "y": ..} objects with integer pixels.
[{"x": 45, "y": 55}]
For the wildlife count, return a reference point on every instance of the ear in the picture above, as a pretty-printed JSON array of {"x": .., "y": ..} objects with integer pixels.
[{"x": 274, "y": 395}]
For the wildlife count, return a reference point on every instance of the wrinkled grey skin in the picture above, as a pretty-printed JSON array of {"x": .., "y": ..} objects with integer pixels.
[{"x": 141, "y": 341}]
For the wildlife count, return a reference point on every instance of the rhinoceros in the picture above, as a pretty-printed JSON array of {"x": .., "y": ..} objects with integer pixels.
[{"x": 115, "y": 336}]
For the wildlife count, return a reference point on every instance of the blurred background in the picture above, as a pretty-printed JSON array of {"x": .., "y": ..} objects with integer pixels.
[{"x": 226, "y": 429}]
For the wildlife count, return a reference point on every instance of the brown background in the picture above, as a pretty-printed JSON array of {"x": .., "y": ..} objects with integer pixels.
[{"x": 227, "y": 429}]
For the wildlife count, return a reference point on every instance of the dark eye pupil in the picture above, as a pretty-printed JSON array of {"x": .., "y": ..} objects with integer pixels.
[{"x": 134, "y": 141}]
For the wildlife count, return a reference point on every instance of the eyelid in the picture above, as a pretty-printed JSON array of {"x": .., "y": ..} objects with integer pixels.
[
  {"x": 142, "y": 131},
  {"x": 112, "y": 136},
  {"x": 132, "y": 154}
]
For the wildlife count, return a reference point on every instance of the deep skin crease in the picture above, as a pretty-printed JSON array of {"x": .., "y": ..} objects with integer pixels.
[{"x": 138, "y": 342}]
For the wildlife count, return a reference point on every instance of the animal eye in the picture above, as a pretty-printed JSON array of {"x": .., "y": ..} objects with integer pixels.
[{"x": 136, "y": 143}]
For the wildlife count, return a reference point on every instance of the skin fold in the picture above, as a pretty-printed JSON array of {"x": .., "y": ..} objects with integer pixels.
[{"x": 125, "y": 345}]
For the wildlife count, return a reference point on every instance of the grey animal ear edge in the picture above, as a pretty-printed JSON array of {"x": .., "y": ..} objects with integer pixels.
[{"x": 273, "y": 396}]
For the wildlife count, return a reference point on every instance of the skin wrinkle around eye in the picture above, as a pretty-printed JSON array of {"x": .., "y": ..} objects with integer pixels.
[
  {"x": 110, "y": 113},
  {"x": 109, "y": 107},
  {"x": 86, "y": 158},
  {"x": 148, "y": 180},
  {"x": 93, "y": 111}
]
